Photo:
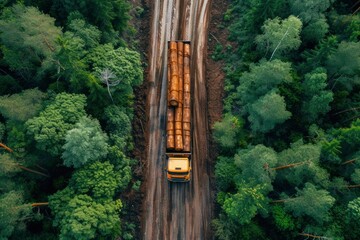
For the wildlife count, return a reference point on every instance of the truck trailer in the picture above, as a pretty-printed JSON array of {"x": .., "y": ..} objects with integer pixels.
[{"x": 178, "y": 114}]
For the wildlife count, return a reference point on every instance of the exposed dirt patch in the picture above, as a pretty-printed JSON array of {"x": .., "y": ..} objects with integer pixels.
[
  {"x": 140, "y": 21},
  {"x": 215, "y": 80}
]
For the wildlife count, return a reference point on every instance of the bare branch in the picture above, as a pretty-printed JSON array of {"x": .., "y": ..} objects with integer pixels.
[{"x": 109, "y": 78}]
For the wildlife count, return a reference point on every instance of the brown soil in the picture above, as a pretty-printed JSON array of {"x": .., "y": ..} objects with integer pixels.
[
  {"x": 215, "y": 81},
  {"x": 133, "y": 199}
]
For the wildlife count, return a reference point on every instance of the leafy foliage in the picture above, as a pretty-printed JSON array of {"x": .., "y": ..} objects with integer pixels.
[
  {"x": 226, "y": 131},
  {"x": 13, "y": 212},
  {"x": 28, "y": 37},
  {"x": 245, "y": 204},
  {"x": 311, "y": 202},
  {"x": 23, "y": 106},
  {"x": 256, "y": 163},
  {"x": 280, "y": 35},
  {"x": 83, "y": 218},
  {"x": 300, "y": 111},
  {"x": 123, "y": 62},
  {"x": 62, "y": 57},
  {"x": 98, "y": 180},
  {"x": 316, "y": 98},
  {"x": 268, "y": 111},
  {"x": 110, "y": 17},
  {"x": 225, "y": 171},
  {"x": 85, "y": 143},
  {"x": 50, "y": 127}
]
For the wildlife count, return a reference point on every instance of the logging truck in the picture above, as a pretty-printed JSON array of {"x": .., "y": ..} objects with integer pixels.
[{"x": 178, "y": 114}]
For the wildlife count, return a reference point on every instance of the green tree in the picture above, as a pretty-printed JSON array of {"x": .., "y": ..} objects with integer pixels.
[
  {"x": 13, "y": 213},
  {"x": 352, "y": 218},
  {"x": 28, "y": 38},
  {"x": 88, "y": 33},
  {"x": 260, "y": 80},
  {"x": 256, "y": 165},
  {"x": 344, "y": 64},
  {"x": 316, "y": 30},
  {"x": 85, "y": 143},
  {"x": 8, "y": 85},
  {"x": 22, "y": 106},
  {"x": 98, "y": 180},
  {"x": 8, "y": 165},
  {"x": 226, "y": 131},
  {"x": 118, "y": 121},
  {"x": 226, "y": 172},
  {"x": 245, "y": 203},
  {"x": 50, "y": 127},
  {"x": 280, "y": 36},
  {"x": 80, "y": 217},
  {"x": 312, "y": 15},
  {"x": 268, "y": 111},
  {"x": 311, "y": 202},
  {"x": 123, "y": 62},
  {"x": 111, "y": 17},
  {"x": 2, "y": 130},
  {"x": 283, "y": 220},
  {"x": 300, "y": 164},
  {"x": 319, "y": 55},
  {"x": 316, "y": 97}
]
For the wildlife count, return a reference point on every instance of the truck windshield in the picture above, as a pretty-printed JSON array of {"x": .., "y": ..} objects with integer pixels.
[{"x": 178, "y": 173}]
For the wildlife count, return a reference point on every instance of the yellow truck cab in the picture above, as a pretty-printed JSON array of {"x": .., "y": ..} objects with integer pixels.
[{"x": 178, "y": 167}]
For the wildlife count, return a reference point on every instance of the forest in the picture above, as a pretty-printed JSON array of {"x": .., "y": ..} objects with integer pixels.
[
  {"x": 289, "y": 159},
  {"x": 68, "y": 70},
  {"x": 288, "y": 164}
]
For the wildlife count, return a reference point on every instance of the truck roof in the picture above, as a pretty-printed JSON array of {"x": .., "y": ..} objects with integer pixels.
[{"x": 178, "y": 164}]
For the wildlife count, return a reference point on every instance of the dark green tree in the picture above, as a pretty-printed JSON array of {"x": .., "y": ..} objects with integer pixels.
[
  {"x": 352, "y": 218},
  {"x": 300, "y": 164},
  {"x": 316, "y": 98},
  {"x": 118, "y": 120},
  {"x": 111, "y": 17},
  {"x": 311, "y": 202},
  {"x": 256, "y": 165},
  {"x": 267, "y": 112},
  {"x": 344, "y": 65},
  {"x": 85, "y": 31},
  {"x": 260, "y": 80},
  {"x": 312, "y": 15},
  {"x": 28, "y": 38},
  {"x": 13, "y": 213},
  {"x": 226, "y": 173}
]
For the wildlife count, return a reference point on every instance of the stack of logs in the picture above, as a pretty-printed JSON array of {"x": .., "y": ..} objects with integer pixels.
[{"x": 179, "y": 112}]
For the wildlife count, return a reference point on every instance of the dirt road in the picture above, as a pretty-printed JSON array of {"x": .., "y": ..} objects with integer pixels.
[{"x": 176, "y": 210}]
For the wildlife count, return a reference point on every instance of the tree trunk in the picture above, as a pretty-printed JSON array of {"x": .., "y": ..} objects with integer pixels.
[
  {"x": 289, "y": 166},
  {"x": 6, "y": 147},
  {"x": 39, "y": 204},
  {"x": 33, "y": 171},
  {"x": 283, "y": 200},
  {"x": 349, "y": 161},
  {"x": 311, "y": 236}
]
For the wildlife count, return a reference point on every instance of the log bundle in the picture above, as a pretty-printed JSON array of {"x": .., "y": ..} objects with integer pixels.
[{"x": 179, "y": 97}]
